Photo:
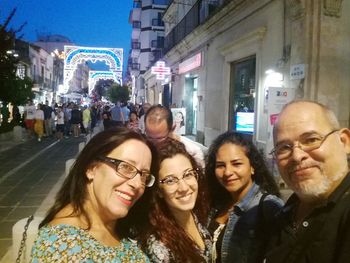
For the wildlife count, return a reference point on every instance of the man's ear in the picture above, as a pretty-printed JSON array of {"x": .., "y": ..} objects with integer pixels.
[{"x": 345, "y": 138}]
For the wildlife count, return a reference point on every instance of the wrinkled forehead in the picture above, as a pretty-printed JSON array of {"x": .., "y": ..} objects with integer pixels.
[{"x": 299, "y": 118}]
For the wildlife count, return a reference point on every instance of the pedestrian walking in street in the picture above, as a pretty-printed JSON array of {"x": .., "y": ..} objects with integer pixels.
[
  {"x": 60, "y": 123},
  {"x": 107, "y": 118},
  {"x": 86, "y": 119},
  {"x": 312, "y": 153},
  {"x": 29, "y": 118},
  {"x": 175, "y": 230},
  {"x": 98, "y": 201},
  {"x": 243, "y": 198},
  {"x": 47, "y": 118},
  {"x": 76, "y": 120},
  {"x": 117, "y": 115},
  {"x": 39, "y": 122},
  {"x": 133, "y": 123}
]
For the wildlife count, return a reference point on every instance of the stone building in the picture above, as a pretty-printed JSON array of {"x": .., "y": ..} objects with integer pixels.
[{"x": 234, "y": 64}]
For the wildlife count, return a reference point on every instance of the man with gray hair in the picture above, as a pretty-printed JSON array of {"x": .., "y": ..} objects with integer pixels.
[{"x": 311, "y": 152}]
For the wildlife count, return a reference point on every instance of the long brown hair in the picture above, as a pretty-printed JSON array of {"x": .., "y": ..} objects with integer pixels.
[
  {"x": 74, "y": 188},
  {"x": 161, "y": 222}
]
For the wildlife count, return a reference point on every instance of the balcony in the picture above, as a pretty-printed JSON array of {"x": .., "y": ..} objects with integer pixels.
[
  {"x": 137, "y": 4},
  {"x": 135, "y": 45},
  {"x": 159, "y": 43},
  {"x": 157, "y": 22},
  {"x": 155, "y": 56},
  {"x": 135, "y": 66},
  {"x": 161, "y": 2},
  {"x": 136, "y": 24},
  {"x": 200, "y": 12},
  {"x": 135, "y": 15}
]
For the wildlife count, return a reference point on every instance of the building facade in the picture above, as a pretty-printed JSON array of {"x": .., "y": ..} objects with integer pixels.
[
  {"x": 147, "y": 41},
  {"x": 234, "y": 64}
]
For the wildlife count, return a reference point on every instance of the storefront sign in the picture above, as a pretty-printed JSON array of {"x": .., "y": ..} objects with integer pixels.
[
  {"x": 160, "y": 70},
  {"x": 278, "y": 97},
  {"x": 191, "y": 63}
]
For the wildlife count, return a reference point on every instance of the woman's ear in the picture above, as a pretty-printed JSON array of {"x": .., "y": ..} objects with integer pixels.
[
  {"x": 90, "y": 174},
  {"x": 252, "y": 170}
]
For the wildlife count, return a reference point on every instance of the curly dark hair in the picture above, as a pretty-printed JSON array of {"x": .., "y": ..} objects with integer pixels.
[
  {"x": 74, "y": 188},
  {"x": 162, "y": 224},
  {"x": 219, "y": 197}
]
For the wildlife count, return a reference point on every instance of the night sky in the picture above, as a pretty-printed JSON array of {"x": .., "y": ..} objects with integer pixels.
[{"x": 85, "y": 22}]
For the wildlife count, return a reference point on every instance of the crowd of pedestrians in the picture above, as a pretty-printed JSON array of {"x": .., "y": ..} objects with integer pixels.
[{"x": 138, "y": 180}]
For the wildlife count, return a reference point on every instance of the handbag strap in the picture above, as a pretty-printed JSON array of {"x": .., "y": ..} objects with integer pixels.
[{"x": 24, "y": 238}]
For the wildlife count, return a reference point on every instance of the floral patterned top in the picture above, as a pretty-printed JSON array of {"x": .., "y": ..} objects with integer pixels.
[
  {"x": 66, "y": 243},
  {"x": 159, "y": 253}
]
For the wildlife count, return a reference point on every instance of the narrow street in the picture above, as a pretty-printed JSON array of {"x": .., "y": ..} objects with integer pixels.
[{"x": 28, "y": 172}]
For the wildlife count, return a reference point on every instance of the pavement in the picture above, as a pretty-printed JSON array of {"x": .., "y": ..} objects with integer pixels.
[{"x": 31, "y": 172}]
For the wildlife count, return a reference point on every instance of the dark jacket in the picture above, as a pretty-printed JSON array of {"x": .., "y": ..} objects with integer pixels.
[{"x": 323, "y": 237}]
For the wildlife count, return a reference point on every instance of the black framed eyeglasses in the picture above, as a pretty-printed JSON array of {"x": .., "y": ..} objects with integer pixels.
[
  {"x": 129, "y": 171},
  {"x": 188, "y": 176},
  {"x": 306, "y": 143}
]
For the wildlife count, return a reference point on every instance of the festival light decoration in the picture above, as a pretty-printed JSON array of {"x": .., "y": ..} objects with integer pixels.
[
  {"x": 75, "y": 55},
  {"x": 95, "y": 76}
]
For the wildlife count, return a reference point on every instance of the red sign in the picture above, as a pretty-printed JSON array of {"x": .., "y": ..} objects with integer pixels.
[
  {"x": 191, "y": 63},
  {"x": 160, "y": 70}
]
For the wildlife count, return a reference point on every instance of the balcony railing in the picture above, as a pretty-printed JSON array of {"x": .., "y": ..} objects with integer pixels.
[
  {"x": 137, "y": 4},
  {"x": 157, "y": 43},
  {"x": 157, "y": 22},
  {"x": 161, "y": 2},
  {"x": 135, "y": 66},
  {"x": 136, "y": 45},
  {"x": 136, "y": 24},
  {"x": 195, "y": 17}
]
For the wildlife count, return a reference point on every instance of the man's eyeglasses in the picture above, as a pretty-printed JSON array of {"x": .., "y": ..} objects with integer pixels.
[
  {"x": 189, "y": 176},
  {"x": 129, "y": 171},
  {"x": 306, "y": 143},
  {"x": 158, "y": 139}
]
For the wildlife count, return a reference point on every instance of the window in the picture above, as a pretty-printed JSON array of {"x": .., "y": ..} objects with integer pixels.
[{"x": 242, "y": 96}]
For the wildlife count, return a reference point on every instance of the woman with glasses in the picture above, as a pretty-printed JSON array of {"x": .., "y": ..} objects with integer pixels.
[
  {"x": 243, "y": 197},
  {"x": 175, "y": 231},
  {"x": 98, "y": 201}
]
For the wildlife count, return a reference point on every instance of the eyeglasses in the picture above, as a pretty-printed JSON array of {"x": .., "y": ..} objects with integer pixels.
[
  {"x": 306, "y": 143},
  {"x": 129, "y": 171},
  {"x": 189, "y": 176},
  {"x": 158, "y": 139}
]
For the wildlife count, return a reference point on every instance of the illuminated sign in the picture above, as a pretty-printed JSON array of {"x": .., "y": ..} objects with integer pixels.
[
  {"x": 160, "y": 70},
  {"x": 191, "y": 63}
]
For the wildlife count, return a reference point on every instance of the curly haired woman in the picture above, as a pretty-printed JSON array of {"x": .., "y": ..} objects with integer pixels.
[{"x": 175, "y": 230}]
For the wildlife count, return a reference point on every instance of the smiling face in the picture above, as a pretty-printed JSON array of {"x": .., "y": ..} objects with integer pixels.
[
  {"x": 111, "y": 195},
  {"x": 233, "y": 170},
  {"x": 315, "y": 173},
  {"x": 178, "y": 117},
  {"x": 182, "y": 196}
]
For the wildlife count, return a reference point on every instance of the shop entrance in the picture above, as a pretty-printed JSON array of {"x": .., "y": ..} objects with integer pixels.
[
  {"x": 242, "y": 96},
  {"x": 191, "y": 104}
]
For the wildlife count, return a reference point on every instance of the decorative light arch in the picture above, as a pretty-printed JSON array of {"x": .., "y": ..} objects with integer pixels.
[
  {"x": 95, "y": 76},
  {"x": 75, "y": 55}
]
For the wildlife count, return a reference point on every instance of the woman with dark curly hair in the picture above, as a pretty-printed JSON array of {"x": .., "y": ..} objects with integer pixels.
[
  {"x": 175, "y": 231},
  {"x": 244, "y": 198}
]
